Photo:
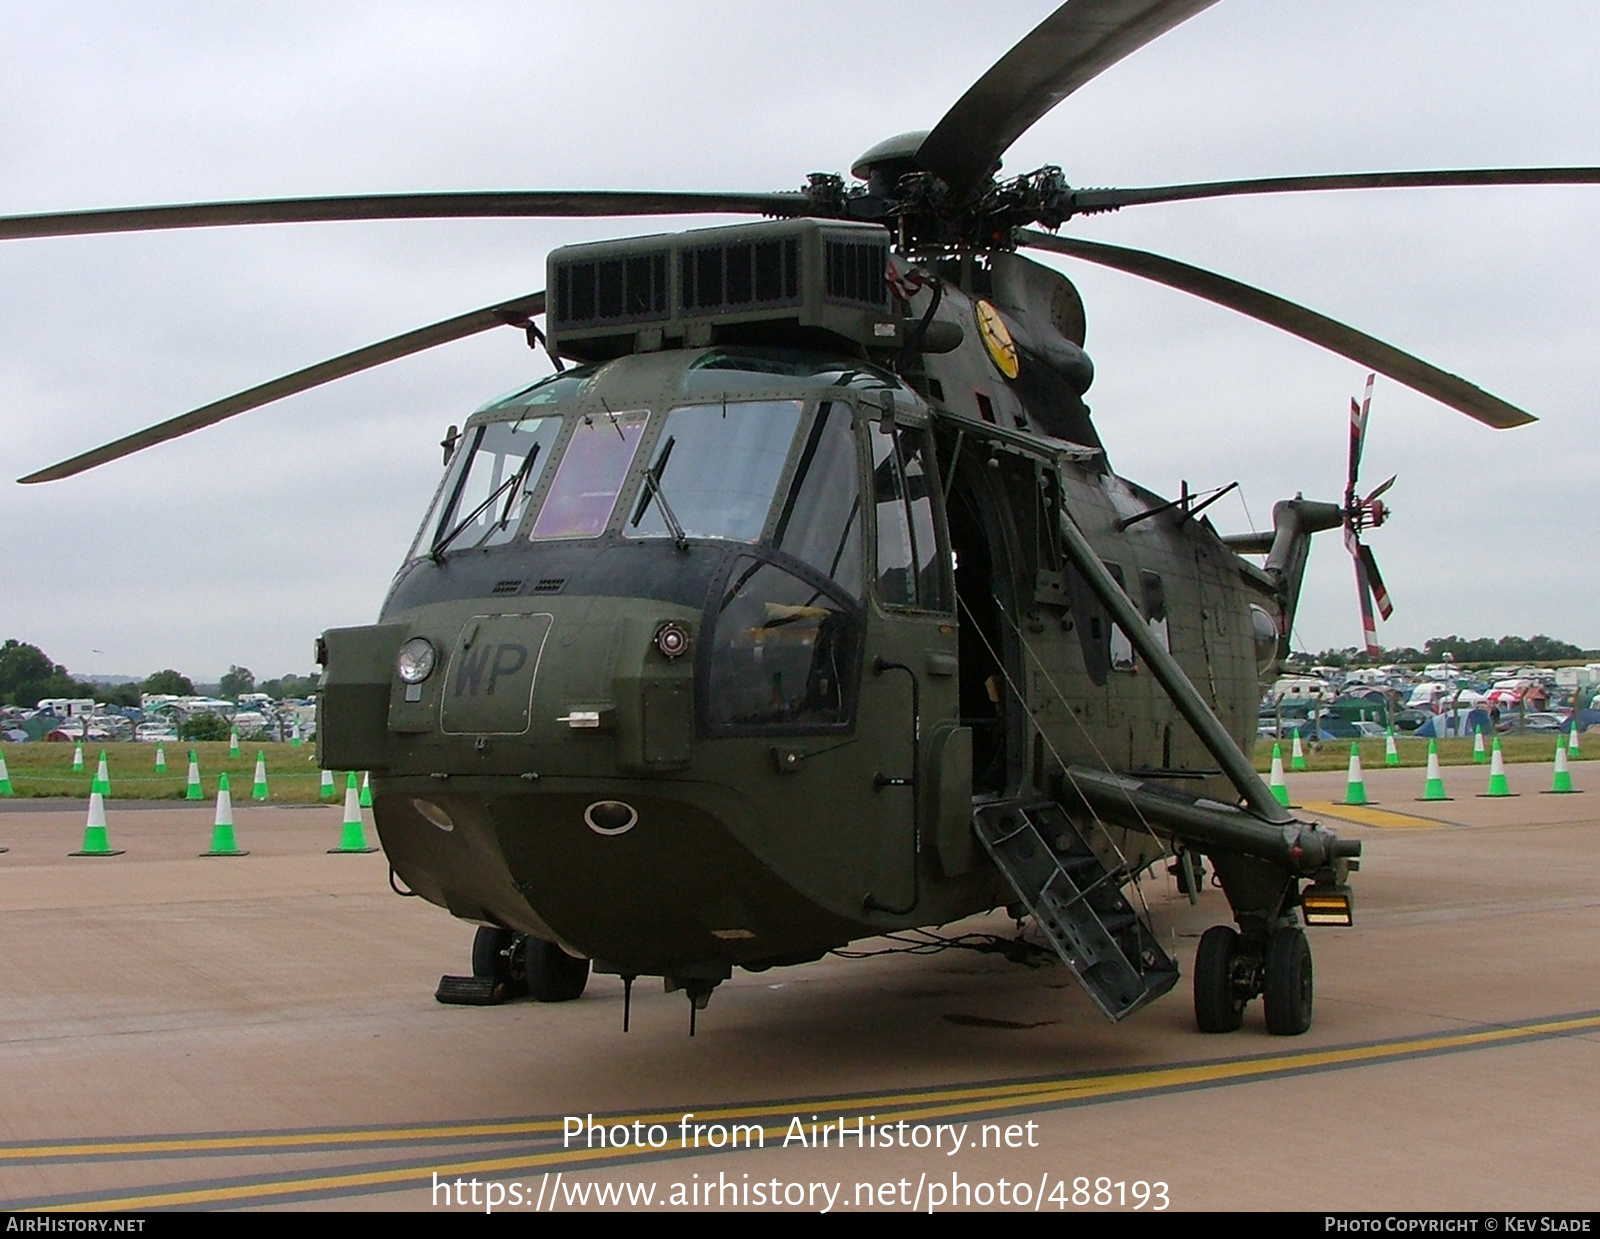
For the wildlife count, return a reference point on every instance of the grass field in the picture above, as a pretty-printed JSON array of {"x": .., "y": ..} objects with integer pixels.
[
  {"x": 46, "y": 770},
  {"x": 293, "y": 776}
]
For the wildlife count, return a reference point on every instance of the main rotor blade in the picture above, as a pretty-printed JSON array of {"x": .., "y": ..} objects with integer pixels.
[
  {"x": 1091, "y": 200},
  {"x": 1075, "y": 43},
  {"x": 1297, "y": 320},
  {"x": 513, "y": 313},
  {"x": 512, "y": 204}
]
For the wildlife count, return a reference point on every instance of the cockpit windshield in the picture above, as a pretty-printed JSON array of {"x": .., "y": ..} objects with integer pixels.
[
  {"x": 491, "y": 479},
  {"x": 714, "y": 470}
]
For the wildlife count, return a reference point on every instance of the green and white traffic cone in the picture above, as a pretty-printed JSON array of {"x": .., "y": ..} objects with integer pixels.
[
  {"x": 77, "y": 758},
  {"x": 327, "y": 785},
  {"x": 1297, "y": 755},
  {"x": 1560, "y": 784},
  {"x": 5, "y": 778},
  {"x": 233, "y": 743},
  {"x": 353, "y": 838},
  {"x": 193, "y": 792},
  {"x": 222, "y": 841},
  {"x": 1497, "y": 773},
  {"x": 1355, "y": 789},
  {"x": 1479, "y": 756},
  {"x": 1391, "y": 755},
  {"x": 259, "y": 791},
  {"x": 1280, "y": 789},
  {"x": 294, "y": 735},
  {"x": 1434, "y": 788},
  {"x": 1572, "y": 742},
  {"x": 95, "y": 840},
  {"x": 366, "y": 791},
  {"x": 102, "y": 776},
  {"x": 161, "y": 758}
]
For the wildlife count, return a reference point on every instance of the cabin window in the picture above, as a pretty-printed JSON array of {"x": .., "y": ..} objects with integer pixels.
[
  {"x": 1155, "y": 606},
  {"x": 1122, "y": 655},
  {"x": 715, "y": 468},
  {"x": 910, "y": 571},
  {"x": 590, "y": 476},
  {"x": 491, "y": 480}
]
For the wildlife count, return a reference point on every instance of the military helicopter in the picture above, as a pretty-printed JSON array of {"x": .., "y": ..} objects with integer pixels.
[{"x": 659, "y": 692}]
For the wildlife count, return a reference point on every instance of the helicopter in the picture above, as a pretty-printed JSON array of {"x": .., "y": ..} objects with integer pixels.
[{"x": 657, "y": 688}]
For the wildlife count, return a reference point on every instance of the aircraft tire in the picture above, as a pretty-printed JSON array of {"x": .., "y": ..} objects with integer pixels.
[
  {"x": 1288, "y": 992},
  {"x": 553, "y": 975},
  {"x": 1217, "y": 1005},
  {"x": 489, "y": 958}
]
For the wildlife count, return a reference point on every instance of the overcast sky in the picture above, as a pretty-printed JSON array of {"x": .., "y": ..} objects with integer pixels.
[{"x": 240, "y": 544}]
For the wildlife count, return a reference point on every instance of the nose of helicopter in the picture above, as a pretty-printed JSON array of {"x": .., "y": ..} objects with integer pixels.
[{"x": 540, "y": 776}]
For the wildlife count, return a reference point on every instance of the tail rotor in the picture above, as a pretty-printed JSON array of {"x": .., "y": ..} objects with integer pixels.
[{"x": 1365, "y": 513}]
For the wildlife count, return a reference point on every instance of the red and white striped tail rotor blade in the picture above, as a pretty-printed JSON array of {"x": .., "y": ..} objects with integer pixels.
[
  {"x": 1358, "y": 436},
  {"x": 1369, "y": 627},
  {"x": 1369, "y": 562}
]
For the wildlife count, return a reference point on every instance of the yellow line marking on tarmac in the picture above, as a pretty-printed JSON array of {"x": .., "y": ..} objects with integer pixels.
[
  {"x": 953, "y": 1102},
  {"x": 1366, "y": 815}
]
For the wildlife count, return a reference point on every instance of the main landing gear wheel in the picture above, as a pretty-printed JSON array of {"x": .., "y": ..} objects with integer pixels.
[
  {"x": 553, "y": 975},
  {"x": 1287, "y": 995},
  {"x": 501, "y": 955},
  {"x": 1218, "y": 1005}
]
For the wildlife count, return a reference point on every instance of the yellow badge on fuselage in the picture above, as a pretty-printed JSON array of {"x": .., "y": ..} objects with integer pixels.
[{"x": 992, "y": 328}]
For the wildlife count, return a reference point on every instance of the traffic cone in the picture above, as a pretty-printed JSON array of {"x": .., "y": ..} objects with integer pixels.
[
  {"x": 1478, "y": 755},
  {"x": 1497, "y": 773},
  {"x": 353, "y": 838},
  {"x": 77, "y": 758},
  {"x": 233, "y": 743},
  {"x": 1572, "y": 742},
  {"x": 1560, "y": 784},
  {"x": 222, "y": 840},
  {"x": 161, "y": 758},
  {"x": 1297, "y": 755},
  {"x": 1280, "y": 789},
  {"x": 1355, "y": 790},
  {"x": 1391, "y": 755},
  {"x": 193, "y": 792},
  {"x": 366, "y": 791},
  {"x": 294, "y": 734},
  {"x": 102, "y": 776},
  {"x": 327, "y": 785},
  {"x": 95, "y": 840},
  {"x": 5, "y": 778},
  {"x": 1434, "y": 788},
  {"x": 259, "y": 791}
]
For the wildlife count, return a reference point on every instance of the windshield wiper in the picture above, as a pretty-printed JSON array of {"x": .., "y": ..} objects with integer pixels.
[
  {"x": 653, "y": 491},
  {"x": 510, "y": 484}
]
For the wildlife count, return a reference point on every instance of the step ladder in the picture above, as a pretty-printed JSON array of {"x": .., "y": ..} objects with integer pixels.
[{"x": 1077, "y": 902}]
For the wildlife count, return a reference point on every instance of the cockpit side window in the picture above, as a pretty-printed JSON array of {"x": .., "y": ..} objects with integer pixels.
[
  {"x": 910, "y": 572},
  {"x": 819, "y": 522}
]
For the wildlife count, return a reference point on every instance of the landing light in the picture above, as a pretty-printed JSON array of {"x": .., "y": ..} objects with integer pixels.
[{"x": 416, "y": 660}]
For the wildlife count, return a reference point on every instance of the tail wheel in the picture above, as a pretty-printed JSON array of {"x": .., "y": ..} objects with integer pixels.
[
  {"x": 1288, "y": 983},
  {"x": 553, "y": 975},
  {"x": 1218, "y": 1005}
]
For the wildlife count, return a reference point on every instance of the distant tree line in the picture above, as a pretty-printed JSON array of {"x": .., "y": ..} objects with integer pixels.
[
  {"x": 1536, "y": 649},
  {"x": 27, "y": 676}
]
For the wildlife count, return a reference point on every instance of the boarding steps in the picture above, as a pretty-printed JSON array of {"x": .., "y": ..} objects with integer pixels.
[{"x": 1077, "y": 902}]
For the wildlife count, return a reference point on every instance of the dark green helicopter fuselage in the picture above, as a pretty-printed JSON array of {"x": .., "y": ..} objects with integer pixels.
[
  {"x": 802, "y": 775},
  {"x": 880, "y": 631}
]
